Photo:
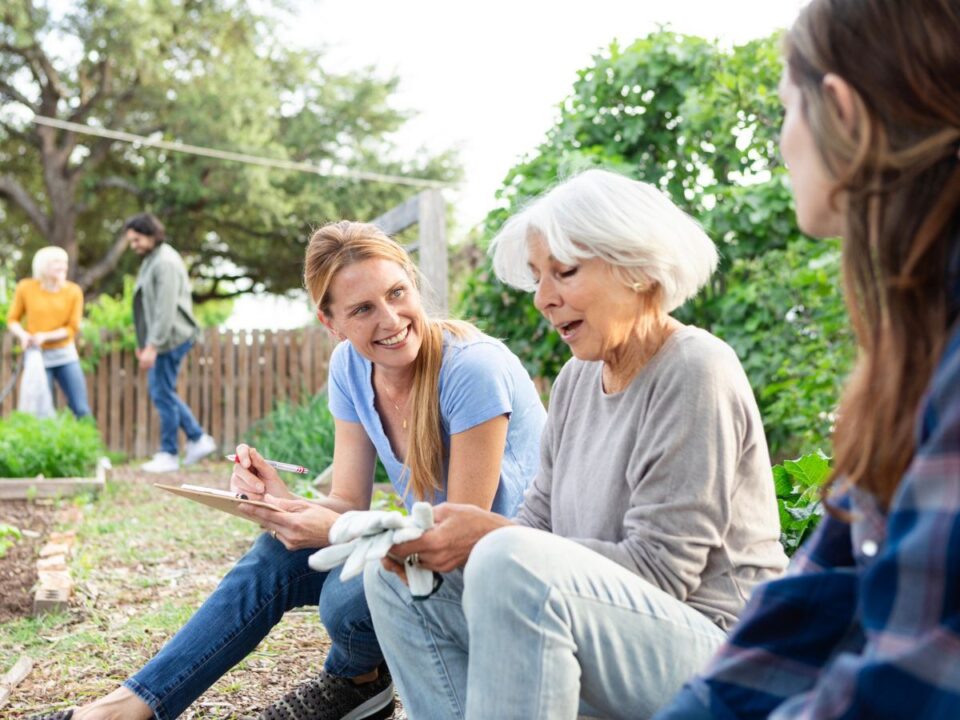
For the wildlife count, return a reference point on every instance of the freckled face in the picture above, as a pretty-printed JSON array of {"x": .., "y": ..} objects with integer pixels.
[
  {"x": 594, "y": 312},
  {"x": 375, "y": 305},
  {"x": 809, "y": 176}
]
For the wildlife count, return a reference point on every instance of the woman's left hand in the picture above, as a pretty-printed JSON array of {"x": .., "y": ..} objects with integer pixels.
[
  {"x": 303, "y": 524},
  {"x": 449, "y": 543}
]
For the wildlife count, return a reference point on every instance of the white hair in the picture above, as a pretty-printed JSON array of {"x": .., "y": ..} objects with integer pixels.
[
  {"x": 631, "y": 225},
  {"x": 44, "y": 256}
]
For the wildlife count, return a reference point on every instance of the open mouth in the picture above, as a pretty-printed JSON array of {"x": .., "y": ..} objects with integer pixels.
[
  {"x": 395, "y": 339},
  {"x": 568, "y": 329}
]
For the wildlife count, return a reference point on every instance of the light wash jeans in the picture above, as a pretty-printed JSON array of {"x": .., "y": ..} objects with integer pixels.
[
  {"x": 537, "y": 626},
  {"x": 251, "y": 599},
  {"x": 174, "y": 412}
]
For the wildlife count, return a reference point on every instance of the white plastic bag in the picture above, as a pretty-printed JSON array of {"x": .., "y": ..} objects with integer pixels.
[{"x": 35, "y": 396}]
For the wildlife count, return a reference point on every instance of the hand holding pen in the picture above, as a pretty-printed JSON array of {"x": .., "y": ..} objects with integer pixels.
[{"x": 255, "y": 476}]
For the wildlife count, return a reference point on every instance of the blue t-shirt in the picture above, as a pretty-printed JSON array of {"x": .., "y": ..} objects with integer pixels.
[{"x": 479, "y": 379}]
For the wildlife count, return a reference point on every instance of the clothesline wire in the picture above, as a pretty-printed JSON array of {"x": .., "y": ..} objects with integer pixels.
[{"x": 180, "y": 147}]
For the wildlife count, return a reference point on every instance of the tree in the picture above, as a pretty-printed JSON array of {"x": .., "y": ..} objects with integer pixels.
[
  {"x": 702, "y": 123},
  {"x": 209, "y": 73}
]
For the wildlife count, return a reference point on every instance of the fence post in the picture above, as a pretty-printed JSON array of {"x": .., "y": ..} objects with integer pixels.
[{"x": 433, "y": 250}]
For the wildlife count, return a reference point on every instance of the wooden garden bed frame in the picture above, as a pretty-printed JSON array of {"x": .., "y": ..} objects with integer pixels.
[{"x": 40, "y": 487}]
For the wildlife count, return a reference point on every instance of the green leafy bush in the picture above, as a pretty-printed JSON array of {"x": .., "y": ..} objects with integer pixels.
[
  {"x": 798, "y": 484},
  {"x": 300, "y": 434},
  {"x": 61, "y": 446}
]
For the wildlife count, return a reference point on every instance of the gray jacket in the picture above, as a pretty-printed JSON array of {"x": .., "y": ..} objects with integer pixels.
[{"x": 162, "y": 306}]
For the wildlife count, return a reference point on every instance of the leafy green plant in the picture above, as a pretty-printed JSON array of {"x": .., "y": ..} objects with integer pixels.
[
  {"x": 387, "y": 500},
  {"x": 798, "y": 484},
  {"x": 108, "y": 325},
  {"x": 8, "y": 537},
  {"x": 61, "y": 446},
  {"x": 300, "y": 434}
]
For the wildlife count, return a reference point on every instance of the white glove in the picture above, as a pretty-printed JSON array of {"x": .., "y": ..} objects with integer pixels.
[{"x": 359, "y": 537}]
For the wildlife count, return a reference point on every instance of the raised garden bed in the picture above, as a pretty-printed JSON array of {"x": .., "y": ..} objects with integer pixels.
[{"x": 41, "y": 487}]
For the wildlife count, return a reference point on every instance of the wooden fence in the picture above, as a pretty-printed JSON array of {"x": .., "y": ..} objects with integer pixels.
[{"x": 229, "y": 380}]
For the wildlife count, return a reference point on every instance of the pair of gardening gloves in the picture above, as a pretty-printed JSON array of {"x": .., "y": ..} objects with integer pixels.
[{"x": 362, "y": 536}]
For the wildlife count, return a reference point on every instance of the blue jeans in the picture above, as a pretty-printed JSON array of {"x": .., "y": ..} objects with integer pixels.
[
  {"x": 174, "y": 413},
  {"x": 70, "y": 379},
  {"x": 250, "y": 600},
  {"x": 537, "y": 626}
]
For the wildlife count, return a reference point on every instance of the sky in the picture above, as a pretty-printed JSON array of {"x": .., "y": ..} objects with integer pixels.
[{"x": 485, "y": 78}]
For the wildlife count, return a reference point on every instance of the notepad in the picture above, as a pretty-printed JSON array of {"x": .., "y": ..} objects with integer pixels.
[{"x": 224, "y": 500}]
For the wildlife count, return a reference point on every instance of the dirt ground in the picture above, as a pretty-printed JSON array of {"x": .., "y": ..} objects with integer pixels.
[
  {"x": 128, "y": 605},
  {"x": 18, "y": 568}
]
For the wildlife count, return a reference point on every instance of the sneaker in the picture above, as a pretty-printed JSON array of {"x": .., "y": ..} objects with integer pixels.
[
  {"x": 198, "y": 449},
  {"x": 333, "y": 698},
  {"x": 162, "y": 462}
]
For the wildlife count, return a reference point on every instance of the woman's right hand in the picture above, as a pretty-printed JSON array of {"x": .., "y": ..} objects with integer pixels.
[
  {"x": 253, "y": 477},
  {"x": 449, "y": 543}
]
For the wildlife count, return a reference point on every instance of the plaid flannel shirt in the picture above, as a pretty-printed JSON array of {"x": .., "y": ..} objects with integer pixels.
[{"x": 866, "y": 623}]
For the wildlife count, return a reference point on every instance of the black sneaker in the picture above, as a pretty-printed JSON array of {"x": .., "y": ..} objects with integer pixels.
[{"x": 333, "y": 698}]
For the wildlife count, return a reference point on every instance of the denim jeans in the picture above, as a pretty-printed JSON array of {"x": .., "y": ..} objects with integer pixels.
[
  {"x": 174, "y": 413},
  {"x": 250, "y": 600},
  {"x": 537, "y": 626},
  {"x": 69, "y": 377}
]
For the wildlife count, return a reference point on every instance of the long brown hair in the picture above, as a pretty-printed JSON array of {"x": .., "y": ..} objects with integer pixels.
[
  {"x": 899, "y": 174},
  {"x": 338, "y": 245}
]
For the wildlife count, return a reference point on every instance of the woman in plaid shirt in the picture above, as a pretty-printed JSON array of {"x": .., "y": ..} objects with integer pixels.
[{"x": 866, "y": 624}]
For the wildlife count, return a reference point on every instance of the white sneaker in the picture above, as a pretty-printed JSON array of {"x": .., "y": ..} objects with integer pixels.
[
  {"x": 162, "y": 462},
  {"x": 199, "y": 449}
]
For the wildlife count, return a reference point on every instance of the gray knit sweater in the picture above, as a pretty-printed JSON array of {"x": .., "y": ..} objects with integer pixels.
[{"x": 669, "y": 478}]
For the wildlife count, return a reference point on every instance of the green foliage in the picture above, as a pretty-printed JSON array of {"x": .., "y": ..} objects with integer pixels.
[
  {"x": 8, "y": 537},
  {"x": 216, "y": 74},
  {"x": 300, "y": 434},
  {"x": 798, "y": 484},
  {"x": 387, "y": 501},
  {"x": 61, "y": 446},
  {"x": 701, "y": 122},
  {"x": 108, "y": 325}
]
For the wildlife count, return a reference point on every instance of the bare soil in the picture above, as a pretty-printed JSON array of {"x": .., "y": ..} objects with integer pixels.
[{"x": 18, "y": 568}]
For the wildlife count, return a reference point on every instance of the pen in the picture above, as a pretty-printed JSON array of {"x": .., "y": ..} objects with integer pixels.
[{"x": 299, "y": 469}]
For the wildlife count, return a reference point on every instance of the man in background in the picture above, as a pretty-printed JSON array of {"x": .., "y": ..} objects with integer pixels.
[{"x": 166, "y": 330}]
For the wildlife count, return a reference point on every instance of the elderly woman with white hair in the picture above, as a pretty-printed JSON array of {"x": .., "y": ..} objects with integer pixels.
[
  {"x": 51, "y": 308},
  {"x": 653, "y": 514}
]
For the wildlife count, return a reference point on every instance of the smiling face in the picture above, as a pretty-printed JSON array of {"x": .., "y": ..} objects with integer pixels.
[
  {"x": 141, "y": 244},
  {"x": 593, "y": 310},
  {"x": 375, "y": 305},
  {"x": 809, "y": 176}
]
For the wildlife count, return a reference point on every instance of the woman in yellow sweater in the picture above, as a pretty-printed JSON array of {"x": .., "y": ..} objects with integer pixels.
[{"x": 53, "y": 307}]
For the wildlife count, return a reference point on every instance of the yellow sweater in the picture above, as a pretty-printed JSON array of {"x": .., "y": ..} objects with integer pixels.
[{"x": 47, "y": 310}]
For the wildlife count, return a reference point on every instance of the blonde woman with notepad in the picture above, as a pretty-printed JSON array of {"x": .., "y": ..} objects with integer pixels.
[{"x": 451, "y": 414}]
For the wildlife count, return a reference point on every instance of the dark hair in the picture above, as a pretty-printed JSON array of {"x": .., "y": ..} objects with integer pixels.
[
  {"x": 146, "y": 224},
  {"x": 899, "y": 172}
]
